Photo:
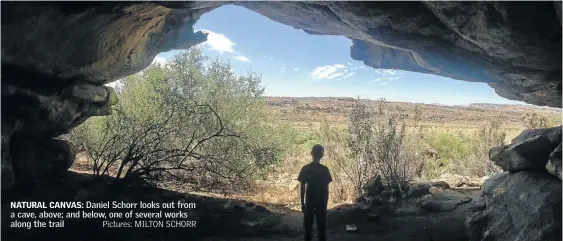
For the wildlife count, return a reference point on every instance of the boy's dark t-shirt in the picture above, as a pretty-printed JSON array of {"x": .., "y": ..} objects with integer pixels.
[{"x": 317, "y": 177}]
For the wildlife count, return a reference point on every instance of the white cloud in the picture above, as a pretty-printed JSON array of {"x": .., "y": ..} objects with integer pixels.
[
  {"x": 332, "y": 76},
  {"x": 282, "y": 69},
  {"x": 387, "y": 75},
  {"x": 349, "y": 75},
  {"x": 387, "y": 78},
  {"x": 384, "y": 83},
  {"x": 219, "y": 42},
  {"x": 358, "y": 67},
  {"x": 386, "y": 72},
  {"x": 295, "y": 69},
  {"x": 242, "y": 58},
  {"x": 327, "y": 71}
]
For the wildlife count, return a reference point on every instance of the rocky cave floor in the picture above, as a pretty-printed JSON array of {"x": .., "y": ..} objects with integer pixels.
[
  {"x": 239, "y": 220},
  {"x": 391, "y": 226}
]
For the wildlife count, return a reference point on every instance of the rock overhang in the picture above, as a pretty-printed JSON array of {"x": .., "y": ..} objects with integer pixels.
[{"x": 514, "y": 47}]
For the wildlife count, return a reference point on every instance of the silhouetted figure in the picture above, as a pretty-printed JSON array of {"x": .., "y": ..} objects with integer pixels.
[{"x": 314, "y": 178}]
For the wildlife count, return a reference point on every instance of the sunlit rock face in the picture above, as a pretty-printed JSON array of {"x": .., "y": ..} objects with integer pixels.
[{"x": 57, "y": 56}]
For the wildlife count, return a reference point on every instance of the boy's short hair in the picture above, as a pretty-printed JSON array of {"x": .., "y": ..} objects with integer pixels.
[{"x": 317, "y": 151}]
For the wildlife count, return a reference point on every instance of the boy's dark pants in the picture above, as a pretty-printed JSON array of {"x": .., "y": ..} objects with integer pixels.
[{"x": 312, "y": 210}]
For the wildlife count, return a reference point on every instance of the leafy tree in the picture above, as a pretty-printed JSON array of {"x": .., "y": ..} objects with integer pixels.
[{"x": 198, "y": 126}]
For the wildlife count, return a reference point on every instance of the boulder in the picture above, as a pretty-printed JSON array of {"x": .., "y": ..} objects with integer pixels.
[
  {"x": 530, "y": 150},
  {"x": 440, "y": 184},
  {"x": 423, "y": 188},
  {"x": 452, "y": 195},
  {"x": 40, "y": 159},
  {"x": 478, "y": 205},
  {"x": 554, "y": 164},
  {"x": 454, "y": 180},
  {"x": 87, "y": 93},
  {"x": 493, "y": 181},
  {"x": 553, "y": 133},
  {"x": 520, "y": 206},
  {"x": 434, "y": 191},
  {"x": 442, "y": 202}
]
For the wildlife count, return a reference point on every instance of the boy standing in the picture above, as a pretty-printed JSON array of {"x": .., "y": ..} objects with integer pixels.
[{"x": 314, "y": 178}]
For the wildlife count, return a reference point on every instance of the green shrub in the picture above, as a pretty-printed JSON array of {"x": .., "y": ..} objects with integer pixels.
[
  {"x": 449, "y": 145},
  {"x": 465, "y": 154},
  {"x": 373, "y": 144},
  {"x": 201, "y": 127}
]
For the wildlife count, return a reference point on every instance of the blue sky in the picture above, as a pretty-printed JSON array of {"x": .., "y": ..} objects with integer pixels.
[{"x": 293, "y": 63}]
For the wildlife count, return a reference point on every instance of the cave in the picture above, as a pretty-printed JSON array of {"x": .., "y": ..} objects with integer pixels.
[{"x": 57, "y": 58}]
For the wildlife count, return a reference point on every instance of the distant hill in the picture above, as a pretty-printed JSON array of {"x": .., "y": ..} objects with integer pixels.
[
  {"x": 305, "y": 111},
  {"x": 521, "y": 107}
]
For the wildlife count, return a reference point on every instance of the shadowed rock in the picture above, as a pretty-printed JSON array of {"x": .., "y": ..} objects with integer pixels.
[
  {"x": 530, "y": 150},
  {"x": 443, "y": 201},
  {"x": 554, "y": 164},
  {"x": 421, "y": 189},
  {"x": 515, "y": 47},
  {"x": 519, "y": 206},
  {"x": 40, "y": 159}
]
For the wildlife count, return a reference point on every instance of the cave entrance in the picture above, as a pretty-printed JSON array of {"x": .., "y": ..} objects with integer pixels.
[
  {"x": 312, "y": 91},
  {"x": 308, "y": 83},
  {"x": 297, "y": 64},
  {"x": 212, "y": 127}
]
